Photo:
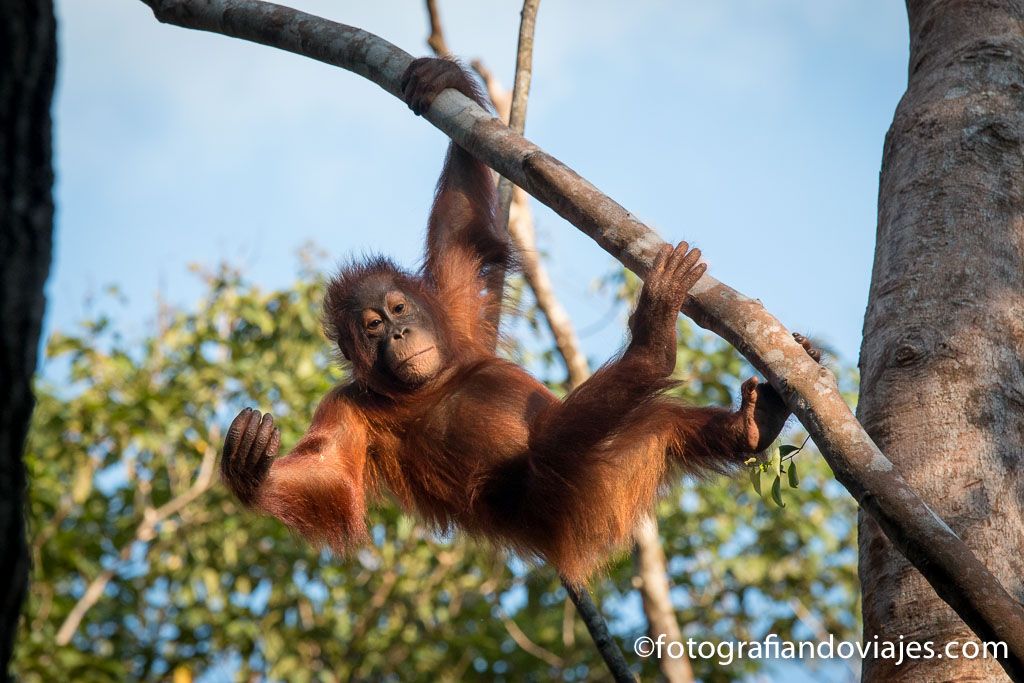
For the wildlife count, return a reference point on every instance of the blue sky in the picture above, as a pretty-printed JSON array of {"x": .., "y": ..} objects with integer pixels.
[{"x": 752, "y": 128}]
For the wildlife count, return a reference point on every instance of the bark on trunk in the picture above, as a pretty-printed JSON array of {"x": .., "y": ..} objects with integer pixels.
[
  {"x": 942, "y": 361},
  {"x": 28, "y": 59}
]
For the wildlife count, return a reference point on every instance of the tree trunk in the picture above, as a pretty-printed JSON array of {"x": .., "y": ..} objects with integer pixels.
[
  {"x": 942, "y": 360},
  {"x": 28, "y": 61}
]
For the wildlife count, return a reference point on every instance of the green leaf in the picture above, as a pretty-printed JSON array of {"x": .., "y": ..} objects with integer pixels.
[
  {"x": 777, "y": 491},
  {"x": 794, "y": 480},
  {"x": 755, "y": 479},
  {"x": 786, "y": 449}
]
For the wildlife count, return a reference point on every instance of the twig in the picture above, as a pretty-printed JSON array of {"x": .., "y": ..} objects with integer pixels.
[
  {"x": 436, "y": 39},
  {"x": 790, "y": 455},
  {"x": 808, "y": 389},
  {"x": 517, "y": 119},
  {"x": 146, "y": 530},
  {"x": 521, "y": 227},
  {"x": 654, "y": 587},
  {"x": 527, "y": 645},
  {"x": 520, "y": 94}
]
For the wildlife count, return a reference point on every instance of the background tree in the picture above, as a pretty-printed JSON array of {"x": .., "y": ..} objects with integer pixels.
[
  {"x": 943, "y": 380},
  {"x": 28, "y": 61},
  {"x": 144, "y": 566}
]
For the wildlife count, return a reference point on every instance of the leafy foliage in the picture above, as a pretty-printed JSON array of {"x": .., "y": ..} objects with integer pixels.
[{"x": 178, "y": 580}]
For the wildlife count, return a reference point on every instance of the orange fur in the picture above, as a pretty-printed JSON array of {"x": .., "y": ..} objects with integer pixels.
[{"x": 482, "y": 446}]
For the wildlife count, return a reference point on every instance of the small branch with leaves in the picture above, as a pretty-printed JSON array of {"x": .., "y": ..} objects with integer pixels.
[{"x": 780, "y": 464}]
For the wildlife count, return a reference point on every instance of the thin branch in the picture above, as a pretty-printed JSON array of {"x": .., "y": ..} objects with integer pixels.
[
  {"x": 527, "y": 645},
  {"x": 436, "y": 39},
  {"x": 654, "y": 587},
  {"x": 520, "y": 93},
  {"x": 146, "y": 530},
  {"x": 808, "y": 389},
  {"x": 606, "y": 645},
  {"x": 521, "y": 227},
  {"x": 517, "y": 119}
]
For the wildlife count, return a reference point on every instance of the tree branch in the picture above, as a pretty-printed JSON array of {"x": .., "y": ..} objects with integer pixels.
[
  {"x": 436, "y": 39},
  {"x": 525, "y": 644},
  {"x": 517, "y": 120},
  {"x": 606, "y": 645},
  {"x": 809, "y": 389}
]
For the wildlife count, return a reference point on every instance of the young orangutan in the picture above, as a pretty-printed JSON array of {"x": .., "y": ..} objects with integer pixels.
[{"x": 466, "y": 439}]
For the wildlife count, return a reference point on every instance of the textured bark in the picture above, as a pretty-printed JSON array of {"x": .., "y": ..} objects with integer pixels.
[
  {"x": 808, "y": 389},
  {"x": 28, "y": 59},
  {"x": 942, "y": 360}
]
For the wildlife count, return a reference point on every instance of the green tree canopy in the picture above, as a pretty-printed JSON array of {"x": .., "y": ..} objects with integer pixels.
[{"x": 149, "y": 569}]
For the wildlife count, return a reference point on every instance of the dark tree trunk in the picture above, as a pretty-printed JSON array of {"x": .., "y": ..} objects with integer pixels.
[
  {"x": 28, "y": 61},
  {"x": 942, "y": 361}
]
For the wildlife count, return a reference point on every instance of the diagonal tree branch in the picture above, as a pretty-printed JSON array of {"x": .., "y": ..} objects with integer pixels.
[
  {"x": 809, "y": 390},
  {"x": 525, "y": 644},
  {"x": 600, "y": 634}
]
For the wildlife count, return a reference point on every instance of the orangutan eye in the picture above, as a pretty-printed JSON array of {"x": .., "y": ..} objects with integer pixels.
[
  {"x": 374, "y": 324},
  {"x": 399, "y": 308}
]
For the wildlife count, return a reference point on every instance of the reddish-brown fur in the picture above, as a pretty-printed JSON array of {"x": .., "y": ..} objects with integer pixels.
[{"x": 484, "y": 447}]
